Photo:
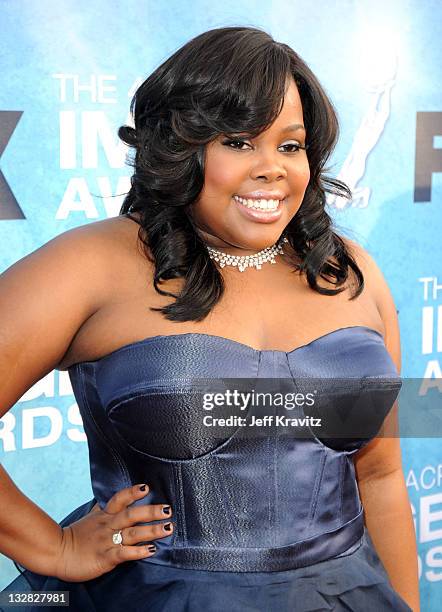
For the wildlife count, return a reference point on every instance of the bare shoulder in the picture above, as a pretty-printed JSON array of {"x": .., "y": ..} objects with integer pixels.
[
  {"x": 380, "y": 291},
  {"x": 107, "y": 244},
  {"x": 98, "y": 236},
  {"x": 374, "y": 280},
  {"x": 58, "y": 287},
  {"x": 382, "y": 456},
  {"x": 115, "y": 241},
  {"x": 121, "y": 227}
]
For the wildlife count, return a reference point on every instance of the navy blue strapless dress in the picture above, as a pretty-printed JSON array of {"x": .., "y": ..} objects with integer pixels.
[{"x": 267, "y": 517}]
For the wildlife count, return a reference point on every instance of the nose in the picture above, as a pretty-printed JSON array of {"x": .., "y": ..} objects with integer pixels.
[{"x": 269, "y": 167}]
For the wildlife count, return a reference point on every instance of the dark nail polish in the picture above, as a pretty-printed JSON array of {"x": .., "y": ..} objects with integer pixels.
[
  {"x": 166, "y": 509},
  {"x": 167, "y": 526},
  {"x": 152, "y": 548}
]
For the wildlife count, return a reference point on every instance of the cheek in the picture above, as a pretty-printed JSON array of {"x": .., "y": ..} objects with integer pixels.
[
  {"x": 205, "y": 211},
  {"x": 221, "y": 175},
  {"x": 303, "y": 176}
]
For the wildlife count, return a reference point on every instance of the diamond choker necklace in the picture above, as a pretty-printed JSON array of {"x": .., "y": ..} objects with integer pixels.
[{"x": 248, "y": 261}]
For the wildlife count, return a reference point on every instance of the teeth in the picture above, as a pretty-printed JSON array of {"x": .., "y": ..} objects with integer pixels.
[{"x": 259, "y": 204}]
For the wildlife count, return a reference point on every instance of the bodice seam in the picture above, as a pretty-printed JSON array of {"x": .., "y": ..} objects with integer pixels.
[{"x": 118, "y": 460}]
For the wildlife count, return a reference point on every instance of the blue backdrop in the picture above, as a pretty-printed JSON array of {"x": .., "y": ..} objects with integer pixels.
[{"x": 69, "y": 70}]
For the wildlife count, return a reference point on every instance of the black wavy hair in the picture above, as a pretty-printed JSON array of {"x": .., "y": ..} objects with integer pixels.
[{"x": 225, "y": 81}]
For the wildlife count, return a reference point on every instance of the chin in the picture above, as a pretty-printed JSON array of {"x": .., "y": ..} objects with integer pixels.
[{"x": 258, "y": 244}]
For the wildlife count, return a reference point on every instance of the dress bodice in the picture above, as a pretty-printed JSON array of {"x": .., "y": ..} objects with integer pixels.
[{"x": 270, "y": 496}]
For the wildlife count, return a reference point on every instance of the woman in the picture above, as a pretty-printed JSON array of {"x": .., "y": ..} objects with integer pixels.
[{"x": 226, "y": 215}]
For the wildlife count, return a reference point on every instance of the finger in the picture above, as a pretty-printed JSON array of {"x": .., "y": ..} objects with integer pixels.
[
  {"x": 118, "y": 554},
  {"x": 135, "y": 535},
  {"x": 141, "y": 514},
  {"x": 124, "y": 497}
]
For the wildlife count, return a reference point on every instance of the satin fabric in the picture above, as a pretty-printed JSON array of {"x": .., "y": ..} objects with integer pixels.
[{"x": 267, "y": 518}]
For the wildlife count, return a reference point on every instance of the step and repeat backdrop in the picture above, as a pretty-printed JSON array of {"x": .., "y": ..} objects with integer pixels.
[{"x": 69, "y": 71}]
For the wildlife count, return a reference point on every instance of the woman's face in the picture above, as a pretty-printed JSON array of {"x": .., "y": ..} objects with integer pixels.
[{"x": 268, "y": 167}]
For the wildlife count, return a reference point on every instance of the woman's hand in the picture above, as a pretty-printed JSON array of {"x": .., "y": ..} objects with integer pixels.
[{"x": 87, "y": 549}]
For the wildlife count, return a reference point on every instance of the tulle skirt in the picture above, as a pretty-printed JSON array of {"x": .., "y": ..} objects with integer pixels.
[{"x": 356, "y": 580}]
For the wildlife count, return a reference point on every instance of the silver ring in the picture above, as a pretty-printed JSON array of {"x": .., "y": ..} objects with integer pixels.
[{"x": 117, "y": 538}]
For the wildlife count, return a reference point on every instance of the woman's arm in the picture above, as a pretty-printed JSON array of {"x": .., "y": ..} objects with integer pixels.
[
  {"x": 390, "y": 524},
  {"x": 44, "y": 299},
  {"x": 379, "y": 465},
  {"x": 27, "y": 534}
]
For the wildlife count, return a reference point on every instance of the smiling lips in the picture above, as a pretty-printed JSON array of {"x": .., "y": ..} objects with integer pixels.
[
  {"x": 263, "y": 210},
  {"x": 267, "y": 195}
]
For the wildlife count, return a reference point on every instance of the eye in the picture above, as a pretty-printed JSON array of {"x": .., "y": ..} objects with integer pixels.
[
  {"x": 297, "y": 146},
  {"x": 233, "y": 144}
]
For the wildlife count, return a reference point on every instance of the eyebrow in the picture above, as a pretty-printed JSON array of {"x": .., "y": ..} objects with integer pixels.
[{"x": 293, "y": 127}]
